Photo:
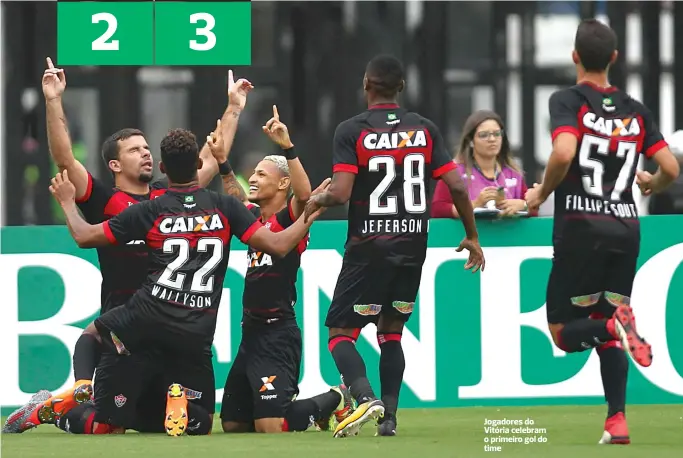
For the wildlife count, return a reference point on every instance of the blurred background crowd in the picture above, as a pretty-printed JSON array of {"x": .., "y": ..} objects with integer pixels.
[{"x": 308, "y": 58}]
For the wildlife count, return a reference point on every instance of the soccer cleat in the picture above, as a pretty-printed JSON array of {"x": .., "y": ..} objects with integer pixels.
[
  {"x": 387, "y": 426},
  {"x": 343, "y": 410},
  {"x": 26, "y": 417},
  {"x": 632, "y": 342},
  {"x": 616, "y": 430},
  {"x": 59, "y": 404},
  {"x": 176, "y": 411},
  {"x": 371, "y": 410}
]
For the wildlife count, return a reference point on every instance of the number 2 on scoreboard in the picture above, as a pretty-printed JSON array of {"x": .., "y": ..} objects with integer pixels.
[{"x": 101, "y": 43}]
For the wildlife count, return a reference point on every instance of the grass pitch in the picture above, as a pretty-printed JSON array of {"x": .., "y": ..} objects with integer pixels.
[{"x": 656, "y": 431}]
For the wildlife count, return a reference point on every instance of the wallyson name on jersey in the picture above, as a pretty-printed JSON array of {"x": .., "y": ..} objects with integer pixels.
[
  {"x": 178, "y": 297},
  {"x": 600, "y": 206},
  {"x": 394, "y": 226}
]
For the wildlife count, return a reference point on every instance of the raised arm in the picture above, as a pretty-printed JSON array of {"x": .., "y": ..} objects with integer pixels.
[
  {"x": 58, "y": 139},
  {"x": 216, "y": 144},
  {"x": 301, "y": 186},
  {"x": 86, "y": 235}
]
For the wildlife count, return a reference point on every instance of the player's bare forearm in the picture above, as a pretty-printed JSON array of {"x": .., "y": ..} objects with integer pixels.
[
  {"x": 461, "y": 202},
  {"x": 209, "y": 166},
  {"x": 301, "y": 186},
  {"x": 280, "y": 243},
  {"x": 232, "y": 187},
  {"x": 339, "y": 191},
  {"x": 554, "y": 174},
  {"x": 229, "y": 122},
  {"x": 59, "y": 143},
  {"x": 86, "y": 235}
]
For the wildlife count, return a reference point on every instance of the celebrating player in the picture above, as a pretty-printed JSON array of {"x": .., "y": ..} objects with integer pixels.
[
  {"x": 383, "y": 160},
  {"x": 263, "y": 380},
  {"x": 124, "y": 267},
  {"x": 172, "y": 318},
  {"x": 599, "y": 132}
]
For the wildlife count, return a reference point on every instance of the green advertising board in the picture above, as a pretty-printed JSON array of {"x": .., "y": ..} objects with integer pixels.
[{"x": 473, "y": 340}]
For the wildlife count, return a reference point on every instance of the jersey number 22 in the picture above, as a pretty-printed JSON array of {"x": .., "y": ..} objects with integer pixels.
[
  {"x": 202, "y": 280},
  {"x": 411, "y": 180}
]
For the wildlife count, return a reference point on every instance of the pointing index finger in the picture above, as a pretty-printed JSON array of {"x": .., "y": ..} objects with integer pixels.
[
  {"x": 276, "y": 115},
  {"x": 49, "y": 63}
]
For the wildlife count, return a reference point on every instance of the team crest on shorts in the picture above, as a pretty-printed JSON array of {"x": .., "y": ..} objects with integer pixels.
[
  {"x": 367, "y": 309},
  {"x": 403, "y": 307},
  {"x": 120, "y": 400},
  {"x": 192, "y": 394}
]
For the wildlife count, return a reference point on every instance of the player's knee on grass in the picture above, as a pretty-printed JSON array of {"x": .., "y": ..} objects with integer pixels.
[
  {"x": 236, "y": 427},
  {"x": 269, "y": 425}
]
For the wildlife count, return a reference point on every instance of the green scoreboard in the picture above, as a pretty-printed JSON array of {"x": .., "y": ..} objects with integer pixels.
[{"x": 153, "y": 33}]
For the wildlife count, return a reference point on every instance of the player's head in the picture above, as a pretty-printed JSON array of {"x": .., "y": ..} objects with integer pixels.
[
  {"x": 595, "y": 46},
  {"x": 180, "y": 156},
  {"x": 127, "y": 154},
  {"x": 483, "y": 139},
  {"x": 269, "y": 180},
  {"x": 384, "y": 78}
]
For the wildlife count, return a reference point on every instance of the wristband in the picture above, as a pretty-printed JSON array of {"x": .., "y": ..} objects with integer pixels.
[
  {"x": 224, "y": 168},
  {"x": 289, "y": 153}
]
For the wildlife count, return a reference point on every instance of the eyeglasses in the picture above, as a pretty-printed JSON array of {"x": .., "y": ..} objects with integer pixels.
[{"x": 484, "y": 135}]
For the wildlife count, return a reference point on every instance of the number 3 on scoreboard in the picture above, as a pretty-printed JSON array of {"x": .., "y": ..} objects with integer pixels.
[
  {"x": 101, "y": 43},
  {"x": 411, "y": 179}
]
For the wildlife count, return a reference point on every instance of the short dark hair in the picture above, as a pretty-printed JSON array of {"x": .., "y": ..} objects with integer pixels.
[
  {"x": 595, "y": 43},
  {"x": 385, "y": 75},
  {"x": 110, "y": 147},
  {"x": 180, "y": 155}
]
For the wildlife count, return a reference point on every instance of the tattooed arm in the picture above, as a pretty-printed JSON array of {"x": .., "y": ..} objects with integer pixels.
[
  {"x": 58, "y": 139},
  {"x": 232, "y": 187}
]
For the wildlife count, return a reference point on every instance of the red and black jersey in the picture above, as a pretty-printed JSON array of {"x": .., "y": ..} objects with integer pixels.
[
  {"x": 613, "y": 131},
  {"x": 187, "y": 232},
  {"x": 394, "y": 154},
  {"x": 270, "y": 283},
  {"x": 124, "y": 267}
]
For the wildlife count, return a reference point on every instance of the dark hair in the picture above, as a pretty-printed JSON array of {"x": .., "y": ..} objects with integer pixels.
[
  {"x": 465, "y": 153},
  {"x": 180, "y": 155},
  {"x": 595, "y": 44},
  {"x": 110, "y": 147},
  {"x": 385, "y": 75}
]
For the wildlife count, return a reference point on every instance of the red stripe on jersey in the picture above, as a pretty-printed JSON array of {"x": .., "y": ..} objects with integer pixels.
[
  {"x": 348, "y": 168},
  {"x": 249, "y": 232},
  {"x": 290, "y": 207},
  {"x": 399, "y": 154},
  {"x": 443, "y": 169},
  {"x": 651, "y": 151},
  {"x": 157, "y": 193},
  {"x": 108, "y": 233},
  {"x": 155, "y": 238},
  {"x": 118, "y": 203},
  {"x": 566, "y": 129},
  {"x": 88, "y": 191},
  {"x": 250, "y": 206}
]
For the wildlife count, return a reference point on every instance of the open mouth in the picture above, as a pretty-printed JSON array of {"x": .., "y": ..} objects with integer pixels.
[{"x": 253, "y": 188}]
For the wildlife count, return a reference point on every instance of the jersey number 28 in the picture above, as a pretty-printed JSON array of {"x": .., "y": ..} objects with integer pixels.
[
  {"x": 202, "y": 280},
  {"x": 593, "y": 183},
  {"x": 411, "y": 180}
]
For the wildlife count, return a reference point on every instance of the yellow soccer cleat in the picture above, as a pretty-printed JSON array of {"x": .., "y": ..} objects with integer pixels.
[{"x": 371, "y": 410}]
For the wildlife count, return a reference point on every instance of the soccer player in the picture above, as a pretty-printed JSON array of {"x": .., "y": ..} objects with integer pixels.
[
  {"x": 263, "y": 380},
  {"x": 599, "y": 132},
  {"x": 172, "y": 318},
  {"x": 124, "y": 268},
  {"x": 383, "y": 160}
]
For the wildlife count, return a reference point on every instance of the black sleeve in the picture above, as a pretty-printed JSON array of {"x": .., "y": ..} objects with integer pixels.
[
  {"x": 564, "y": 109},
  {"x": 344, "y": 155},
  {"x": 441, "y": 161},
  {"x": 654, "y": 140},
  {"x": 95, "y": 200},
  {"x": 161, "y": 183},
  {"x": 131, "y": 224},
  {"x": 242, "y": 221}
]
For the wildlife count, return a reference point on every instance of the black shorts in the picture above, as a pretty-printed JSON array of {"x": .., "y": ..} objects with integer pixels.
[
  {"x": 264, "y": 378},
  {"x": 364, "y": 292},
  {"x": 586, "y": 281},
  {"x": 130, "y": 390}
]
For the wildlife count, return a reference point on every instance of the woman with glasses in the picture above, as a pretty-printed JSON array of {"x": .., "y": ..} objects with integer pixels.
[{"x": 485, "y": 161}]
